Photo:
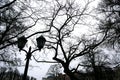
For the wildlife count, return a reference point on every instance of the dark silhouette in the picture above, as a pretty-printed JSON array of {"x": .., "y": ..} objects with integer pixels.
[{"x": 13, "y": 75}]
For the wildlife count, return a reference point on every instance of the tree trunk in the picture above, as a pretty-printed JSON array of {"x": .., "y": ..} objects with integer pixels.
[{"x": 70, "y": 74}]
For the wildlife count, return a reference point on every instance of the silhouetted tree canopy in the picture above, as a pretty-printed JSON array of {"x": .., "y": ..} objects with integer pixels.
[
  {"x": 110, "y": 23},
  {"x": 64, "y": 20}
]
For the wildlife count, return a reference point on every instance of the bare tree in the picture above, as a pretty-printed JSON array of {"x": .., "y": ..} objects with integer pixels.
[
  {"x": 66, "y": 17},
  {"x": 94, "y": 61},
  {"x": 110, "y": 10},
  {"x": 10, "y": 27}
]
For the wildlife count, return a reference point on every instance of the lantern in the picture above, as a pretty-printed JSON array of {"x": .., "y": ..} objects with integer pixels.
[
  {"x": 21, "y": 42},
  {"x": 40, "y": 42}
]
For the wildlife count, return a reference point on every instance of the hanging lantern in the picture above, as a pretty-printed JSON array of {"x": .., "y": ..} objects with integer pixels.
[
  {"x": 40, "y": 42},
  {"x": 21, "y": 42}
]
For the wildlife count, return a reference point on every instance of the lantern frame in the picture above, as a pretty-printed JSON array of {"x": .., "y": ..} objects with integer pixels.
[
  {"x": 40, "y": 42},
  {"x": 21, "y": 42}
]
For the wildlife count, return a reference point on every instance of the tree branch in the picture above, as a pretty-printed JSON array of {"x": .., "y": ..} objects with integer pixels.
[{"x": 6, "y": 5}]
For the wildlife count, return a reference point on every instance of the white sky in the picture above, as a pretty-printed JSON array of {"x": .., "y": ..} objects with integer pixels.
[{"x": 39, "y": 69}]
